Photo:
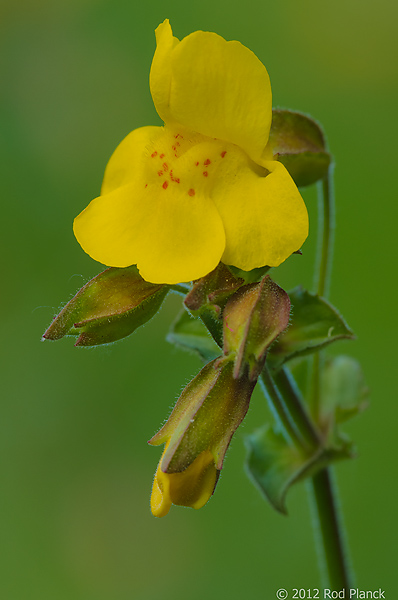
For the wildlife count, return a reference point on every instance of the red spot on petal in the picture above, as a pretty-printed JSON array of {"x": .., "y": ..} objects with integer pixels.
[
  {"x": 165, "y": 166},
  {"x": 160, "y": 173},
  {"x": 223, "y": 154},
  {"x": 161, "y": 156},
  {"x": 165, "y": 185},
  {"x": 196, "y": 164},
  {"x": 154, "y": 154},
  {"x": 205, "y": 173},
  {"x": 207, "y": 162},
  {"x": 177, "y": 180},
  {"x": 178, "y": 144},
  {"x": 191, "y": 192},
  {"x": 174, "y": 148},
  {"x": 146, "y": 185}
]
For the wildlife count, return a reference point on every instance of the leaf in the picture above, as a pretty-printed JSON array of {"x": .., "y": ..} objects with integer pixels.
[
  {"x": 314, "y": 324},
  {"x": 274, "y": 465},
  {"x": 344, "y": 393},
  {"x": 190, "y": 334}
]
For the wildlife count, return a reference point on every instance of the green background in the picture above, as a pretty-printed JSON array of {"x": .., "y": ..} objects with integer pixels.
[{"x": 76, "y": 471}]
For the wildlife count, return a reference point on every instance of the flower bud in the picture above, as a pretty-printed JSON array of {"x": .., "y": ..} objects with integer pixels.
[
  {"x": 213, "y": 290},
  {"x": 109, "y": 307},
  {"x": 197, "y": 436},
  {"x": 253, "y": 318},
  {"x": 298, "y": 143}
]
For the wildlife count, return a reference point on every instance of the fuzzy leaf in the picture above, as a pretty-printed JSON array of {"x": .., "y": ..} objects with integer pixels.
[
  {"x": 274, "y": 465},
  {"x": 314, "y": 324},
  {"x": 190, "y": 334},
  {"x": 344, "y": 393}
]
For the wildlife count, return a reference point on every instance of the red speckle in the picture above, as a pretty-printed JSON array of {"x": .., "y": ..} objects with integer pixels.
[
  {"x": 223, "y": 154},
  {"x": 161, "y": 156},
  {"x": 205, "y": 173},
  {"x": 207, "y": 162},
  {"x": 196, "y": 164},
  {"x": 174, "y": 148},
  {"x": 146, "y": 185},
  {"x": 191, "y": 192},
  {"x": 165, "y": 166},
  {"x": 178, "y": 135},
  {"x": 165, "y": 185},
  {"x": 154, "y": 154},
  {"x": 160, "y": 173},
  {"x": 178, "y": 144},
  {"x": 177, "y": 180}
]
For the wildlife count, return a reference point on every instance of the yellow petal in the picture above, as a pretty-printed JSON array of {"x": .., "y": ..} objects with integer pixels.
[
  {"x": 160, "y": 75},
  {"x": 217, "y": 88},
  {"x": 265, "y": 218},
  {"x": 170, "y": 235},
  {"x": 128, "y": 158},
  {"x": 192, "y": 487}
]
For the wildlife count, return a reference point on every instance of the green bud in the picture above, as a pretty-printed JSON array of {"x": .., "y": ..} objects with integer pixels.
[
  {"x": 297, "y": 141},
  {"x": 212, "y": 291},
  {"x": 109, "y": 307},
  {"x": 253, "y": 318},
  {"x": 205, "y": 417}
]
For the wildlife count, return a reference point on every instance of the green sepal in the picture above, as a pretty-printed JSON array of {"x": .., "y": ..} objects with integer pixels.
[
  {"x": 205, "y": 417},
  {"x": 190, "y": 333},
  {"x": 109, "y": 307},
  {"x": 210, "y": 293},
  {"x": 297, "y": 141},
  {"x": 274, "y": 465},
  {"x": 344, "y": 393},
  {"x": 249, "y": 276},
  {"x": 314, "y": 324},
  {"x": 253, "y": 318}
]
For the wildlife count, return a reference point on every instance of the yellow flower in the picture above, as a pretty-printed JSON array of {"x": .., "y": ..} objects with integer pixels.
[
  {"x": 177, "y": 199},
  {"x": 192, "y": 487}
]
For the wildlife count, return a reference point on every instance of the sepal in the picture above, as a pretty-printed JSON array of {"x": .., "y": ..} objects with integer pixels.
[
  {"x": 253, "y": 318},
  {"x": 298, "y": 142},
  {"x": 210, "y": 293},
  {"x": 109, "y": 307}
]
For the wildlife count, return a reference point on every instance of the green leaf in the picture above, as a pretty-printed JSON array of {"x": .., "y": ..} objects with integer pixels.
[
  {"x": 274, "y": 465},
  {"x": 190, "y": 334},
  {"x": 344, "y": 393},
  {"x": 314, "y": 324}
]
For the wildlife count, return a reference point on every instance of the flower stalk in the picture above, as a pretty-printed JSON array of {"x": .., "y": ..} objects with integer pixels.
[{"x": 326, "y": 520}]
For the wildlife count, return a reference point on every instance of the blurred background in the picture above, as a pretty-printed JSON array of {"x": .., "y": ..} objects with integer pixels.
[{"x": 76, "y": 471}]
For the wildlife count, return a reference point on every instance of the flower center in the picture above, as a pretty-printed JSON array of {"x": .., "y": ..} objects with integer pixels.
[{"x": 185, "y": 161}]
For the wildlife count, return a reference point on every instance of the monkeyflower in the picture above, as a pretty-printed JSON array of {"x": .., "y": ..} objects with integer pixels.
[
  {"x": 204, "y": 188},
  {"x": 197, "y": 435}
]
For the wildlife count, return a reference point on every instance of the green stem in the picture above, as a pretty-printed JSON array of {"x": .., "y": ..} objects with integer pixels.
[
  {"x": 325, "y": 234},
  {"x": 328, "y": 531},
  {"x": 327, "y": 523},
  {"x": 278, "y": 407},
  {"x": 295, "y": 405},
  {"x": 180, "y": 289}
]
